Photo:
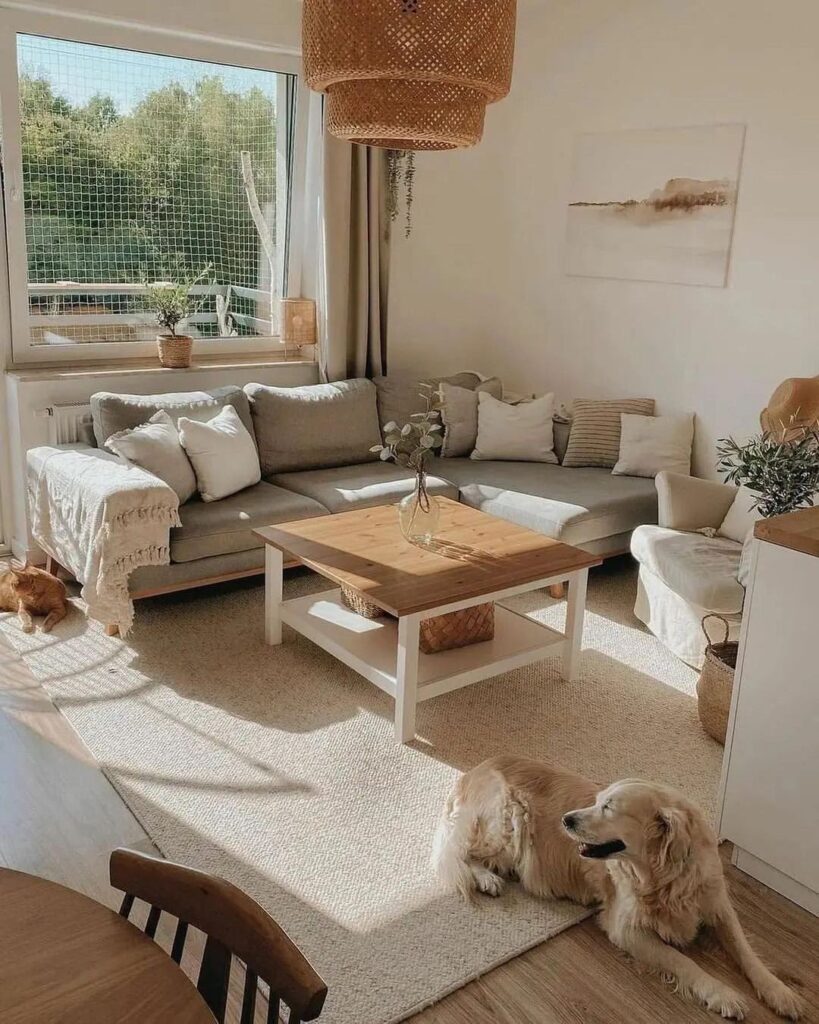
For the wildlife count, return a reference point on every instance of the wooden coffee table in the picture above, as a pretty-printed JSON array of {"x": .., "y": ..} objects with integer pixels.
[{"x": 475, "y": 558}]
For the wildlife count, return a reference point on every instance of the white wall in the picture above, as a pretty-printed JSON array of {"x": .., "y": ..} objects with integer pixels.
[{"x": 481, "y": 282}]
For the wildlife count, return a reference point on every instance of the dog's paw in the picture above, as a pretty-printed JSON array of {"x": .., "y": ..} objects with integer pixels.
[
  {"x": 488, "y": 882},
  {"x": 782, "y": 1000},
  {"x": 727, "y": 1003}
]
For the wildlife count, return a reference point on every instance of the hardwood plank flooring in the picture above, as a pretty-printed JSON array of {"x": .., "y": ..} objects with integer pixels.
[{"x": 60, "y": 818}]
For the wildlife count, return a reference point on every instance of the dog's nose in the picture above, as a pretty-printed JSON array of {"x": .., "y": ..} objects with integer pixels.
[{"x": 569, "y": 821}]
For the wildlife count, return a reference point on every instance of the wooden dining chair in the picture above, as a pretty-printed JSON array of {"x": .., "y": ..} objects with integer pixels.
[{"x": 234, "y": 925}]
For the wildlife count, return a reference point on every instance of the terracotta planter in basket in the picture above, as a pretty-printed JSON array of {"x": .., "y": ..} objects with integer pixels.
[
  {"x": 441, "y": 632},
  {"x": 716, "y": 682},
  {"x": 174, "y": 350}
]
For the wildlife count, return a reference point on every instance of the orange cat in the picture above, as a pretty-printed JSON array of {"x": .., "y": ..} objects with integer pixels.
[{"x": 30, "y": 591}]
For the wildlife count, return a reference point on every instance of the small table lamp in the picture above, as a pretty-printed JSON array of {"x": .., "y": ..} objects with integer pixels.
[{"x": 298, "y": 322}]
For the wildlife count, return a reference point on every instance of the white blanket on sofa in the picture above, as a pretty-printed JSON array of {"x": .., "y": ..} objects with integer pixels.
[{"x": 100, "y": 518}]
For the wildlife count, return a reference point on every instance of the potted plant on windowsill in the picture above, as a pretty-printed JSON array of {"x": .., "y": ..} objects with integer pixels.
[{"x": 172, "y": 304}]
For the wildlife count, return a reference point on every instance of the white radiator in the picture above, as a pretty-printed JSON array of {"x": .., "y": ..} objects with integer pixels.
[{"x": 68, "y": 424}]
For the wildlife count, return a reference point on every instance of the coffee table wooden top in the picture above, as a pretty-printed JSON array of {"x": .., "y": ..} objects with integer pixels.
[
  {"x": 474, "y": 554},
  {"x": 66, "y": 959}
]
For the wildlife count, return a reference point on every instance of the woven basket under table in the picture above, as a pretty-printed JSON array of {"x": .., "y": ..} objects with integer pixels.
[
  {"x": 439, "y": 633},
  {"x": 716, "y": 682}
]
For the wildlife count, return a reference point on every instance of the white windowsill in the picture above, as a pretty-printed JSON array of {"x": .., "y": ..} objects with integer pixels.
[{"x": 142, "y": 367}]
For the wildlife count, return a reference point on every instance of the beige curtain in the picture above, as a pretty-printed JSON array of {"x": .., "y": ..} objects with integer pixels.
[{"x": 355, "y": 261}]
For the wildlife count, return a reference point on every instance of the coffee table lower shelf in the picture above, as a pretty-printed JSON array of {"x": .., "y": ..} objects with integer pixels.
[{"x": 373, "y": 648}]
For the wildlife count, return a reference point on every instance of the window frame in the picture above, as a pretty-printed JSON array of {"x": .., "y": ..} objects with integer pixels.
[{"x": 149, "y": 41}]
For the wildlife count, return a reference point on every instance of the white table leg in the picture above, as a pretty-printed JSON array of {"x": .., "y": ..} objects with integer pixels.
[
  {"x": 575, "y": 610},
  {"x": 273, "y": 577},
  {"x": 406, "y": 692}
]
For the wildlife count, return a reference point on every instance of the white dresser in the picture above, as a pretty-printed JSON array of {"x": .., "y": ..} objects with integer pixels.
[{"x": 770, "y": 784}]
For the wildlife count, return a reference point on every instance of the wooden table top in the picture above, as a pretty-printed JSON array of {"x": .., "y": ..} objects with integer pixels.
[
  {"x": 66, "y": 959},
  {"x": 473, "y": 554},
  {"x": 796, "y": 530}
]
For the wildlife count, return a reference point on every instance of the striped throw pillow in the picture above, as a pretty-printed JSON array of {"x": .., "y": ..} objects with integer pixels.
[{"x": 595, "y": 436}]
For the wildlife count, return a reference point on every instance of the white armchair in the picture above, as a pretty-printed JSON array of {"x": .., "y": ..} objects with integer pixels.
[{"x": 684, "y": 574}]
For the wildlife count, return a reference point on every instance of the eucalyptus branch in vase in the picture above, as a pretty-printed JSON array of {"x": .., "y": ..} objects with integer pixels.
[{"x": 411, "y": 446}]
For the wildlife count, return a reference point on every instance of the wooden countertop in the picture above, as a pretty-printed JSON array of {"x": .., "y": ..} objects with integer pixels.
[{"x": 797, "y": 530}]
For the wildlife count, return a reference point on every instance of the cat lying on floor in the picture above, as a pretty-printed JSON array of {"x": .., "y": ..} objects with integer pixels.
[{"x": 30, "y": 591}]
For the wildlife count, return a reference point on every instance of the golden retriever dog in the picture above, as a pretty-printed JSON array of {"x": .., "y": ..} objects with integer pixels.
[{"x": 641, "y": 851}]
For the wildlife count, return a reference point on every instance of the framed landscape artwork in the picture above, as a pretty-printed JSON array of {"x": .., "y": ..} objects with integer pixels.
[{"x": 655, "y": 205}]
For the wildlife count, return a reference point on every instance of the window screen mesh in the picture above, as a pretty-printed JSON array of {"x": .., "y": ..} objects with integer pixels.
[{"x": 132, "y": 173}]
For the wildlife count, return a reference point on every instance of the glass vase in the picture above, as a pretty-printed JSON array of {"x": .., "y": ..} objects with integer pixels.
[{"x": 419, "y": 514}]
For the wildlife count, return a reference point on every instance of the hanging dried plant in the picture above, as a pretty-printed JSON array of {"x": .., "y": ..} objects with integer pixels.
[{"x": 400, "y": 171}]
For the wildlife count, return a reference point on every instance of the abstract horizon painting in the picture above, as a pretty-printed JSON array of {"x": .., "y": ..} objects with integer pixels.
[{"x": 655, "y": 204}]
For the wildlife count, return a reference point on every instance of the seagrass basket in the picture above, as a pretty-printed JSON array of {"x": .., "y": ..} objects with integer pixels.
[
  {"x": 716, "y": 682},
  {"x": 468, "y": 626},
  {"x": 358, "y": 603},
  {"x": 174, "y": 350},
  {"x": 409, "y": 74},
  {"x": 439, "y": 633}
]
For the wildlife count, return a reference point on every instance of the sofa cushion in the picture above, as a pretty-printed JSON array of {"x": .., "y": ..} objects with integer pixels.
[
  {"x": 561, "y": 429},
  {"x": 112, "y": 413},
  {"x": 348, "y": 487},
  {"x": 702, "y": 570},
  {"x": 515, "y": 433},
  {"x": 594, "y": 439},
  {"x": 222, "y": 453},
  {"x": 459, "y": 415},
  {"x": 316, "y": 426},
  {"x": 156, "y": 448},
  {"x": 573, "y": 505},
  {"x": 224, "y": 527},
  {"x": 399, "y": 394}
]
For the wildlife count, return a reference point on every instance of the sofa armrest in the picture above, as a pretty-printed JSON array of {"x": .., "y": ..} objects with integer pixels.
[
  {"x": 690, "y": 503},
  {"x": 101, "y": 518}
]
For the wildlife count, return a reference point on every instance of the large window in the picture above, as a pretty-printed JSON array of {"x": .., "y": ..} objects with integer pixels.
[{"x": 127, "y": 168}]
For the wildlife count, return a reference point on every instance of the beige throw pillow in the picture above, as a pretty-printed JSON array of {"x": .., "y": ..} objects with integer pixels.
[
  {"x": 223, "y": 454},
  {"x": 595, "y": 436},
  {"x": 515, "y": 433},
  {"x": 459, "y": 413},
  {"x": 741, "y": 516},
  {"x": 155, "y": 447},
  {"x": 651, "y": 444}
]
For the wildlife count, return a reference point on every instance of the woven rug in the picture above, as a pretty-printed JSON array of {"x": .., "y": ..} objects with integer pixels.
[{"x": 277, "y": 768}]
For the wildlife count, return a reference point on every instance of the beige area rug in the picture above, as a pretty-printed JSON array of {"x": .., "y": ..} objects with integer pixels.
[{"x": 277, "y": 769}]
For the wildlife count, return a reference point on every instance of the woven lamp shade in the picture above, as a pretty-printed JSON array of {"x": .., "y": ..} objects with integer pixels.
[
  {"x": 298, "y": 321},
  {"x": 409, "y": 74}
]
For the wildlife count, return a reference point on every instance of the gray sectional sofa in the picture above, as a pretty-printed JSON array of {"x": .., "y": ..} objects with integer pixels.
[{"x": 314, "y": 451}]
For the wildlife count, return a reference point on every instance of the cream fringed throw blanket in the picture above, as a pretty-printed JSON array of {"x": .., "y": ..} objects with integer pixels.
[{"x": 101, "y": 518}]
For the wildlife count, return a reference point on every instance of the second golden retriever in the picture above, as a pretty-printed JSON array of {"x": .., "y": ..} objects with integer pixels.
[{"x": 642, "y": 851}]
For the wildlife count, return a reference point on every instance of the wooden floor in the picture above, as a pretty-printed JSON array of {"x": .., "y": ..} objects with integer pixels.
[{"x": 60, "y": 818}]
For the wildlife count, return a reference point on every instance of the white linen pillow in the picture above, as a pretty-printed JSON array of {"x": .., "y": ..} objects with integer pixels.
[
  {"x": 516, "y": 433},
  {"x": 651, "y": 444},
  {"x": 741, "y": 516},
  {"x": 223, "y": 454},
  {"x": 155, "y": 447}
]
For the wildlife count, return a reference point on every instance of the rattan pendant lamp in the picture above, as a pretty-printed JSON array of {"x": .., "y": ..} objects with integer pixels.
[{"x": 409, "y": 74}]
